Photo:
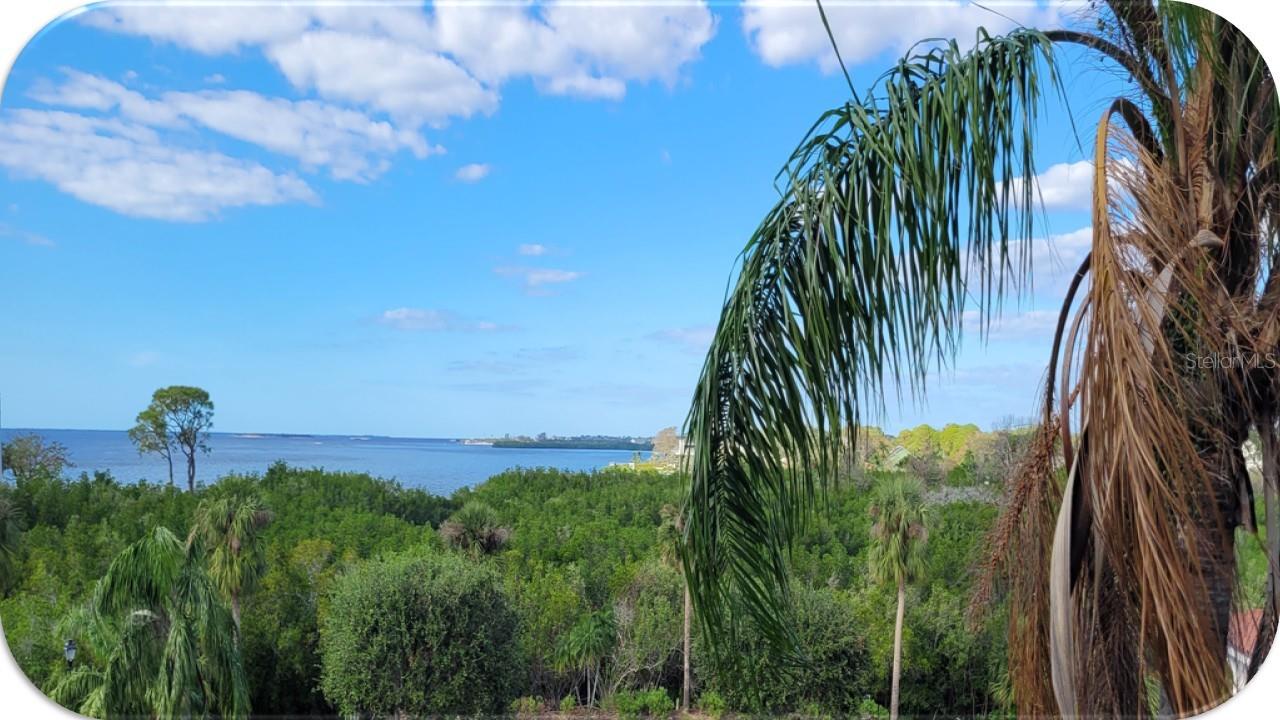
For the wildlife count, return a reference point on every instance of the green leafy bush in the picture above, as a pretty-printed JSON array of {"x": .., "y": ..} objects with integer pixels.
[
  {"x": 637, "y": 703},
  {"x": 756, "y": 680},
  {"x": 526, "y": 705},
  {"x": 869, "y": 709},
  {"x": 813, "y": 711},
  {"x": 422, "y": 635},
  {"x": 568, "y": 703},
  {"x": 712, "y": 704}
]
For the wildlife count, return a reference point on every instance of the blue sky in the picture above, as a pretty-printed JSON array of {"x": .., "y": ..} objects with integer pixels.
[{"x": 450, "y": 221}]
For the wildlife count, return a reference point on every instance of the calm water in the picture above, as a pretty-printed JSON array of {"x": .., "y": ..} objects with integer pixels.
[{"x": 439, "y": 466}]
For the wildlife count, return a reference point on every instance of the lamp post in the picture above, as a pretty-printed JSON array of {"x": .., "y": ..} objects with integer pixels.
[{"x": 69, "y": 651}]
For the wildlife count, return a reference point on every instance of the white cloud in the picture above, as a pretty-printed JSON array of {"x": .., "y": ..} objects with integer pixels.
[
  {"x": 210, "y": 29},
  {"x": 789, "y": 33},
  {"x": 473, "y": 172},
  {"x": 347, "y": 142},
  {"x": 378, "y": 74},
  {"x": 90, "y": 92},
  {"x": 1054, "y": 259},
  {"x": 536, "y": 279},
  {"x": 1064, "y": 186},
  {"x": 423, "y": 319},
  {"x": 127, "y": 168},
  {"x": 409, "y": 83},
  {"x": 449, "y": 62},
  {"x": 532, "y": 249}
]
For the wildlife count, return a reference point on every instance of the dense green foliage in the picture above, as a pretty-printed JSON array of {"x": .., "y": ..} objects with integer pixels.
[
  {"x": 419, "y": 634},
  {"x": 584, "y": 571}
]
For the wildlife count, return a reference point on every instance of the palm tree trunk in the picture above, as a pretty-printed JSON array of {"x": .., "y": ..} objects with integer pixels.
[
  {"x": 686, "y": 684},
  {"x": 897, "y": 651},
  {"x": 1271, "y": 506}
]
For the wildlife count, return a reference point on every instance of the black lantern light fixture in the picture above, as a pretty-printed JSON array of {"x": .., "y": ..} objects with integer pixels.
[{"x": 69, "y": 651}]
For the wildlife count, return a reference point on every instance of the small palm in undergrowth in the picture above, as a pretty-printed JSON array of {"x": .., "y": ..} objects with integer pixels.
[{"x": 896, "y": 556}]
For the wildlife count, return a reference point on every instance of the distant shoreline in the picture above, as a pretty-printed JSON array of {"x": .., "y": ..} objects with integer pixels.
[
  {"x": 586, "y": 442},
  {"x": 572, "y": 444}
]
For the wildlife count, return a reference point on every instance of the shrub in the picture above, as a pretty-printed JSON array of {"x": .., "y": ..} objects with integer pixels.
[
  {"x": 869, "y": 709},
  {"x": 712, "y": 704},
  {"x": 813, "y": 711},
  {"x": 419, "y": 635},
  {"x": 568, "y": 703},
  {"x": 526, "y": 705},
  {"x": 636, "y": 703},
  {"x": 752, "y": 679}
]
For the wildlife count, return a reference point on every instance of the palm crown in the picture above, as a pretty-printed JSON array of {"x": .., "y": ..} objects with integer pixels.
[{"x": 911, "y": 206}]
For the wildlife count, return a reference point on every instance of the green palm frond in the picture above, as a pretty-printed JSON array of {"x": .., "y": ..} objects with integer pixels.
[
  {"x": 158, "y": 638},
  {"x": 227, "y": 529},
  {"x": 898, "y": 213}
]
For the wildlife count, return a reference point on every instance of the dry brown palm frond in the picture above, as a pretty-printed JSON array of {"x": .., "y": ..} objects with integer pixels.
[
  {"x": 1019, "y": 546},
  {"x": 1152, "y": 555}
]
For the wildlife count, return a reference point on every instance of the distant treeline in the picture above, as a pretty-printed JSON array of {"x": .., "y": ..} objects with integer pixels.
[{"x": 582, "y": 442}]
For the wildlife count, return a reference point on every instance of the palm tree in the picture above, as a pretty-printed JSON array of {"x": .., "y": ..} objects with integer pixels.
[
  {"x": 907, "y": 213},
  {"x": 159, "y": 641},
  {"x": 475, "y": 529},
  {"x": 12, "y": 523},
  {"x": 586, "y": 646},
  {"x": 670, "y": 534},
  {"x": 228, "y": 529},
  {"x": 896, "y": 555}
]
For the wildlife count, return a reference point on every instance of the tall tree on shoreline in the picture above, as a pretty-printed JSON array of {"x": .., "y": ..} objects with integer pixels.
[
  {"x": 151, "y": 435},
  {"x": 179, "y": 416},
  {"x": 911, "y": 208},
  {"x": 896, "y": 557},
  {"x": 29, "y": 456}
]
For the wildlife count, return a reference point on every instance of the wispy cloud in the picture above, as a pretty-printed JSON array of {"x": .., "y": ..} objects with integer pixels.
[
  {"x": 348, "y": 143},
  {"x": 1033, "y": 325},
  {"x": 25, "y": 237},
  {"x": 629, "y": 394},
  {"x": 145, "y": 358},
  {"x": 694, "y": 339},
  {"x": 536, "y": 280},
  {"x": 523, "y": 360},
  {"x": 126, "y": 167},
  {"x": 1055, "y": 259},
  {"x": 430, "y": 320},
  {"x": 472, "y": 172},
  {"x": 532, "y": 250}
]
